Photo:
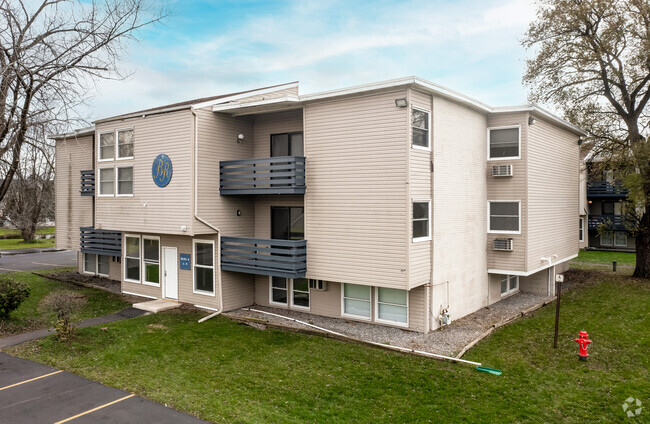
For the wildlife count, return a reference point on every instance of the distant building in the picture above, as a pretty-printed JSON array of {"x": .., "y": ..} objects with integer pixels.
[{"x": 380, "y": 203}]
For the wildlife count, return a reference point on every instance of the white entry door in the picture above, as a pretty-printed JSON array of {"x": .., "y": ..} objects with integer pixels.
[{"x": 170, "y": 273}]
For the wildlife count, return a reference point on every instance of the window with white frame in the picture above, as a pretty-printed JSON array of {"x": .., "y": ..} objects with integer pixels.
[
  {"x": 103, "y": 265},
  {"x": 300, "y": 292},
  {"x": 106, "y": 181},
  {"x": 279, "y": 289},
  {"x": 504, "y": 142},
  {"x": 581, "y": 235},
  {"x": 90, "y": 263},
  {"x": 125, "y": 181},
  {"x": 356, "y": 300},
  {"x": 421, "y": 220},
  {"x": 96, "y": 264},
  {"x": 607, "y": 238},
  {"x": 620, "y": 239},
  {"x": 204, "y": 267},
  {"x": 391, "y": 305},
  {"x": 420, "y": 128},
  {"x": 125, "y": 141},
  {"x": 509, "y": 284},
  {"x": 107, "y": 146},
  {"x": 504, "y": 217},
  {"x": 132, "y": 256},
  {"x": 151, "y": 259}
]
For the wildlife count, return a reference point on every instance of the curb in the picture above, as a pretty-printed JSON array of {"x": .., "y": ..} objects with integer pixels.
[{"x": 11, "y": 253}]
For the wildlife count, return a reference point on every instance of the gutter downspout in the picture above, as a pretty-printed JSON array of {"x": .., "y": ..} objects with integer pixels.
[{"x": 195, "y": 139}]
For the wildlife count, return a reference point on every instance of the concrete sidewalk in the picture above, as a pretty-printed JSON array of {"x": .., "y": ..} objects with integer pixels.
[
  {"x": 39, "y": 334},
  {"x": 29, "y": 250}
]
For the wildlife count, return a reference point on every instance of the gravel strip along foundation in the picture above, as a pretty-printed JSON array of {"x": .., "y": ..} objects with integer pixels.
[{"x": 448, "y": 341}]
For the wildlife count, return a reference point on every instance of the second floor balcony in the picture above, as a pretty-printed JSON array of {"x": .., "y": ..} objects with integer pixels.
[
  {"x": 100, "y": 242},
  {"x": 278, "y": 258},
  {"x": 274, "y": 175},
  {"x": 88, "y": 182},
  {"x": 605, "y": 189},
  {"x": 613, "y": 222}
]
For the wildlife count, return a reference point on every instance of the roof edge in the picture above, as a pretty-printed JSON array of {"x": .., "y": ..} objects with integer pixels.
[
  {"x": 542, "y": 112},
  {"x": 81, "y": 132}
]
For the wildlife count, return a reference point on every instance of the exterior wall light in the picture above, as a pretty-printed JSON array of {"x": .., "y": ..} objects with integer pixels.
[
  {"x": 531, "y": 120},
  {"x": 401, "y": 102},
  {"x": 240, "y": 138}
]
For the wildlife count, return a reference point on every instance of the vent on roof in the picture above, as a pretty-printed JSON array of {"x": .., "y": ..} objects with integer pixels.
[
  {"x": 504, "y": 244},
  {"x": 318, "y": 285},
  {"x": 502, "y": 170}
]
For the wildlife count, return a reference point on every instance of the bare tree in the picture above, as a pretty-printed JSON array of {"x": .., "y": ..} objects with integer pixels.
[
  {"x": 51, "y": 52},
  {"x": 592, "y": 60}
]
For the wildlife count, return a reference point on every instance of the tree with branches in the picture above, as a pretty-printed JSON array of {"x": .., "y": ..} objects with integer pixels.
[
  {"x": 51, "y": 52},
  {"x": 592, "y": 62}
]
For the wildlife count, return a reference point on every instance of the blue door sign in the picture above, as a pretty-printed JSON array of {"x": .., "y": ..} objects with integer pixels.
[
  {"x": 185, "y": 261},
  {"x": 161, "y": 170}
]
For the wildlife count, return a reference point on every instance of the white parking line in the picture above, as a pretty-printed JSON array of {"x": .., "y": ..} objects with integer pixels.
[
  {"x": 42, "y": 263},
  {"x": 11, "y": 270}
]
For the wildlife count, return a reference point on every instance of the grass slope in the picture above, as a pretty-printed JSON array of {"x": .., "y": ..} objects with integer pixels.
[
  {"x": 602, "y": 257},
  {"x": 227, "y": 372},
  {"x": 29, "y": 316}
]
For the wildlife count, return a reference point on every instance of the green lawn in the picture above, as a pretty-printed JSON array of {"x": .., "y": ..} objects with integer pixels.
[
  {"x": 28, "y": 316},
  {"x": 223, "y": 371},
  {"x": 601, "y": 257},
  {"x": 16, "y": 232},
  {"x": 11, "y": 244}
]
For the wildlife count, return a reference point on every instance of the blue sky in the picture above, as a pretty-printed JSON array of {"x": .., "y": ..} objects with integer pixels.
[{"x": 209, "y": 47}]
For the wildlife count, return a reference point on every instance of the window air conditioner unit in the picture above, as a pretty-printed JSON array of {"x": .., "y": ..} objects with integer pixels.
[
  {"x": 319, "y": 285},
  {"x": 502, "y": 170},
  {"x": 505, "y": 244}
]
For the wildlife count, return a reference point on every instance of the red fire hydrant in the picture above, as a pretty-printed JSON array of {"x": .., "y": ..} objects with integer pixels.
[{"x": 583, "y": 344}]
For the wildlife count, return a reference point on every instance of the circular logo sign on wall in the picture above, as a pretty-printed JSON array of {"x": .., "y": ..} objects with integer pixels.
[{"x": 161, "y": 170}]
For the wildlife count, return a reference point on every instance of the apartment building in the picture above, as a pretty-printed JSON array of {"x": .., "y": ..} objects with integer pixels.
[{"x": 379, "y": 203}]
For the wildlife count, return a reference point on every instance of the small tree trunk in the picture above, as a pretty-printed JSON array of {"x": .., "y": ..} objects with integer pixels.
[
  {"x": 28, "y": 233},
  {"x": 642, "y": 269}
]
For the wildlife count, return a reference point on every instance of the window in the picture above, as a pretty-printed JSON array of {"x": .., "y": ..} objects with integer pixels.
[
  {"x": 421, "y": 220},
  {"x": 125, "y": 144},
  {"x": 106, "y": 181},
  {"x": 608, "y": 208},
  {"x": 509, "y": 284},
  {"x": 204, "y": 267},
  {"x": 581, "y": 229},
  {"x": 503, "y": 143},
  {"x": 620, "y": 239},
  {"x": 356, "y": 300},
  {"x": 300, "y": 292},
  {"x": 392, "y": 306},
  {"x": 151, "y": 250},
  {"x": 279, "y": 286},
  {"x": 90, "y": 263},
  {"x": 125, "y": 181},
  {"x": 132, "y": 263},
  {"x": 287, "y": 144},
  {"x": 103, "y": 265},
  {"x": 503, "y": 217},
  {"x": 107, "y": 146},
  {"x": 419, "y": 128},
  {"x": 607, "y": 238}
]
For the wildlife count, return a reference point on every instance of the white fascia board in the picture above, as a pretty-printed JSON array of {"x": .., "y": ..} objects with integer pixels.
[
  {"x": 454, "y": 95},
  {"x": 76, "y": 133},
  {"x": 542, "y": 112},
  {"x": 142, "y": 114},
  {"x": 292, "y": 99},
  {"x": 528, "y": 273},
  {"x": 244, "y": 95}
]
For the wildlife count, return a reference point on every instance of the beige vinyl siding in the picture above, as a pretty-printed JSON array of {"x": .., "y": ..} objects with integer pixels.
[
  {"x": 115, "y": 270},
  {"x": 553, "y": 193},
  {"x": 356, "y": 205},
  {"x": 152, "y": 209},
  {"x": 72, "y": 210},
  {"x": 274, "y": 123},
  {"x": 459, "y": 209},
  {"x": 509, "y": 188},
  {"x": 537, "y": 283},
  {"x": 238, "y": 290},
  {"x": 328, "y": 303},
  {"x": 217, "y": 141},
  {"x": 420, "y": 255}
]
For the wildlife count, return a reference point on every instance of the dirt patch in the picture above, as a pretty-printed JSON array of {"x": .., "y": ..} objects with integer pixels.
[
  {"x": 85, "y": 279},
  {"x": 157, "y": 326}
]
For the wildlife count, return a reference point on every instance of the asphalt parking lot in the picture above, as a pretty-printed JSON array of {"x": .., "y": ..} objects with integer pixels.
[
  {"x": 31, "y": 393},
  {"x": 38, "y": 260}
]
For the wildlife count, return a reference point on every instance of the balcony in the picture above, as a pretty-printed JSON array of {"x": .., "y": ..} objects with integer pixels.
[
  {"x": 88, "y": 182},
  {"x": 278, "y": 258},
  {"x": 604, "y": 189},
  {"x": 101, "y": 242},
  {"x": 276, "y": 175},
  {"x": 614, "y": 222}
]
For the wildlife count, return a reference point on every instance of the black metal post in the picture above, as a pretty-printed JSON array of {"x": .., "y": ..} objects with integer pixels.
[{"x": 614, "y": 266}]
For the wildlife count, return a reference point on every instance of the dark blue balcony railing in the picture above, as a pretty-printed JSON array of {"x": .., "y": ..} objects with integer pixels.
[
  {"x": 101, "y": 242},
  {"x": 88, "y": 182},
  {"x": 276, "y": 175},
  {"x": 605, "y": 189},
  {"x": 279, "y": 258},
  {"x": 613, "y": 222}
]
